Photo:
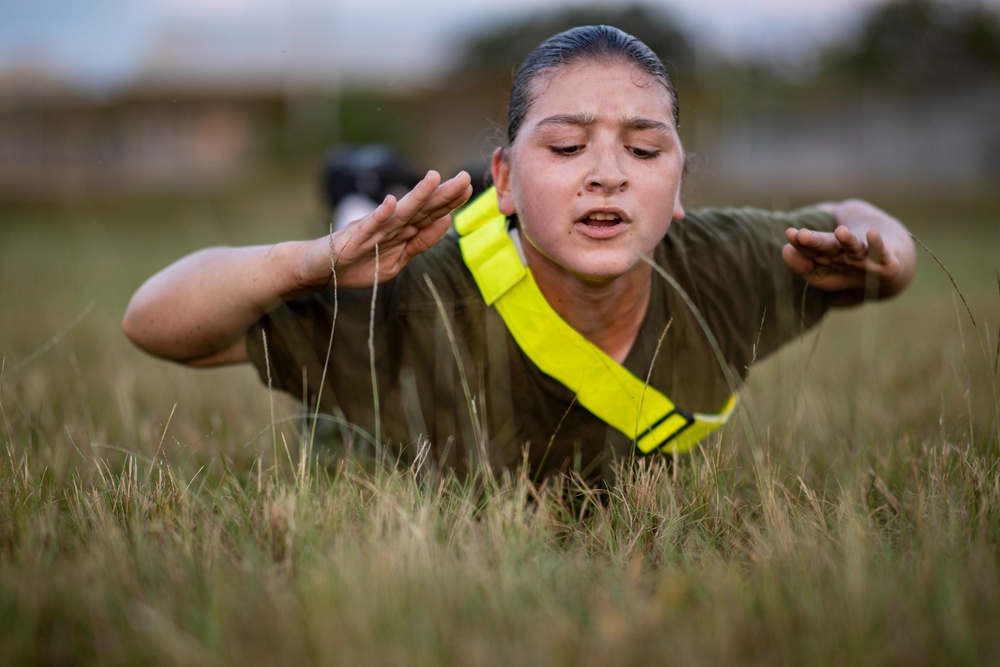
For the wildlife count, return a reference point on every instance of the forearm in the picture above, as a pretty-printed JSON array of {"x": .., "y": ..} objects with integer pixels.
[{"x": 197, "y": 310}]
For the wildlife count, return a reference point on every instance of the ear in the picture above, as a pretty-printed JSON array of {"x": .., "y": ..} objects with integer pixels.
[
  {"x": 678, "y": 208},
  {"x": 500, "y": 168}
]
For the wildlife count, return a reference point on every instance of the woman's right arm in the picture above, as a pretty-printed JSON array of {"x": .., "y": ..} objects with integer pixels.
[{"x": 197, "y": 311}]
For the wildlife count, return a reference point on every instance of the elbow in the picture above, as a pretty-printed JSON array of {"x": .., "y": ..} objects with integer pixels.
[
  {"x": 144, "y": 325},
  {"x": 150, "y": 331},
  {"x": 128, "y": 328},
  {"x": 136, "y": 326}
]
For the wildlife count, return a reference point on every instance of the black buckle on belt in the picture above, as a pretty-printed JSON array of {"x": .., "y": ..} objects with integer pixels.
[{"x": 688, "y": 423}]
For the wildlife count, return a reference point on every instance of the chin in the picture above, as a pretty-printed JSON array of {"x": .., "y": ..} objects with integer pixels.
[{"x": 607, "y": 271}]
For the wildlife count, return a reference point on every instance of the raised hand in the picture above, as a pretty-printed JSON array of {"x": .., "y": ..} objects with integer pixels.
[
  {"x": 198, "y": 309},
  {"x": 395, "y": 232},
  {"x": 840, "y": 260},
  {"x": 869, "y": 254}
]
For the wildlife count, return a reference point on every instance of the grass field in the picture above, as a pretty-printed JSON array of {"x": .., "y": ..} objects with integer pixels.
[{"x": 159, "y": 515}]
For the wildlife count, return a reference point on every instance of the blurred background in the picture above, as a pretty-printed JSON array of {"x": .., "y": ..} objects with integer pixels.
[{"x": 114, "y": 99}]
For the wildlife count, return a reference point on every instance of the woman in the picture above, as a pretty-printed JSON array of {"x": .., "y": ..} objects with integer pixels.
[{"x": 612, "y": 286}]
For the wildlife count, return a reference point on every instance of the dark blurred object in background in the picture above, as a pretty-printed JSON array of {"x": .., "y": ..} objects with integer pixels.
[{"x": 356, "y": 179}]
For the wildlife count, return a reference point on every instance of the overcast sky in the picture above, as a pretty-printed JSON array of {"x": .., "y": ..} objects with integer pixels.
[{"x": 102, "y": 43}]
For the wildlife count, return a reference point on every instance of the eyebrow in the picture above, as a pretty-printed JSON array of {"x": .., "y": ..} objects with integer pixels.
[{"x": 586, "y": 119}]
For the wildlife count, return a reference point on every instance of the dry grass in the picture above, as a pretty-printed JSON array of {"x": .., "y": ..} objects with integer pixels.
[{"x": 851, "y": 516}]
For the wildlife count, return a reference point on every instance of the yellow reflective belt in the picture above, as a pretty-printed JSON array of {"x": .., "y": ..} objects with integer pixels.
[{"x": 602, "y": 385}]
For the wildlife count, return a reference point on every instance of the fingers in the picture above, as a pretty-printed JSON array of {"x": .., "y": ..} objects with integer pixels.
[
  {"x": 841, "y": 245},
  {"x": 428, "y": 236},
  {"x": 854, "y": 248},
  {"x": 431, "y": 199},
  {"x": 876, "y": 247},
  {"x": 851, "y": 260},
  {"x": 421, "y": 193},
  {"x": 376, "y": 220},
  {"x": 446, "y": 198},
  {"x": 813, "y": 244},
  {"x": 796, "y": 261},
  {"x": 427, "y": 202},
  {"x": 828, "y": 276}
]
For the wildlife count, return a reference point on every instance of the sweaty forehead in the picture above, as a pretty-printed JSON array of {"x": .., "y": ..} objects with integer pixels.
[
  {"x": 584, "y": 91},
  {"x": 589, "y": 68}
]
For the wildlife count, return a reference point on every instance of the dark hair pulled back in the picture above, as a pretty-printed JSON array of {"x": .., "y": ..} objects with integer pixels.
[{"x": 585, "y": 43}]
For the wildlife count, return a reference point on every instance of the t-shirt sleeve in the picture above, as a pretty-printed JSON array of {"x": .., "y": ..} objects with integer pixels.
[
  {"x": 730, "y": 262},
  {"x": 364, "y": 335},
  {"x": 290, "y": 346}
]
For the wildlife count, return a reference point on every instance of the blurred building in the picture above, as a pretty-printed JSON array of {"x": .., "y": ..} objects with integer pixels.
[
  {"x": 56, "y": 141},
  {"x": 931, "y": 142},
  {"x": 180, "y": 137}
]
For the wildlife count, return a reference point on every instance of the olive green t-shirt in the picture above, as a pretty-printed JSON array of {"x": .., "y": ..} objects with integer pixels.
[{"x": 446, "y": 370}]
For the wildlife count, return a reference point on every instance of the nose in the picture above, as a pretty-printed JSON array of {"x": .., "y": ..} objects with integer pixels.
[{"x": 606, "y": 170}]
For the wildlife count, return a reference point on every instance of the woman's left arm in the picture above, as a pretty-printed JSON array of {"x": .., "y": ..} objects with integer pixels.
[{"x": 869, "y": 254}]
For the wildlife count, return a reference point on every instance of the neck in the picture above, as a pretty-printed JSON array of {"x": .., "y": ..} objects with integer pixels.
[{"x": 608, "y": 313}]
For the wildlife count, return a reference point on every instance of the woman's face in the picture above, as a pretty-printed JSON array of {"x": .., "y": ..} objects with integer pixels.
[{"x": 594, "y": 174}]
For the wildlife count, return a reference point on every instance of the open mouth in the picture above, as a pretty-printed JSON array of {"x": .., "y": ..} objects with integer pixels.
[{"x": 602, "y": 220}]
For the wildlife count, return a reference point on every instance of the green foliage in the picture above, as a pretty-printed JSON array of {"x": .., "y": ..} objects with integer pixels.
[
  {"x": 923, "y": 46},
  {"x": 499, "y": 48}
]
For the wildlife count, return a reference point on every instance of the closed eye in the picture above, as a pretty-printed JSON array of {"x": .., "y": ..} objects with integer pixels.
[
  {"x": 566, "y": 150},
  {"x": 644, "y": 153}
]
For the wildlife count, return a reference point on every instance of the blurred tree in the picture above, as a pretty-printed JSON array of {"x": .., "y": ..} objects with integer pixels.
[
  {"x": 499, "y": 49},
  {"x": 914, "y": 45}
]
